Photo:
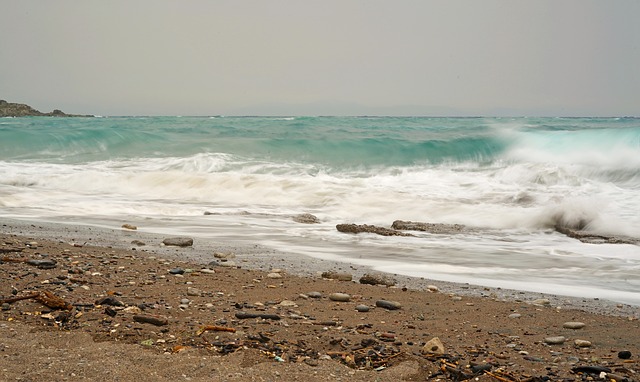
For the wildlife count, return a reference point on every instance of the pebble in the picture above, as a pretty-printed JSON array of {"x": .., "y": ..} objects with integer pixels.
[
  {"x": 433, "y": 346},
  {"x": 340, "y": 276},
  {"x": 185, "y": 301},
  {"x": 557, "y": 340},
  {"x": 178, "y": 241},
  {"x": 207, "y": 271},
  {"x": 176, "y": 271},
  {"x": 515, "y": 315},
  {"x": 223, "y": 256},
  {"x": 342, "y": 297},
  {"x": 573, "y": 325},
  {"x": 193, "y": 291},
  {"x": 582, "y": 343},
  {"x": 625, "y": 354},
  {"x": 541, "y": 301},
  {"x": 377, "y": 279},
  {"x": 287, "y": 303},
  {"x": 362, "y": 308},
  {"x": 433, "y": 288},
  {"x": 129, "y": 226},
  {"x": 390, "y": 305},
  {"x": 314, "y": 294},
  {"x": 6, "y": 306},
  {"x": 228, "y": 264},
  {"x": 274, "y": 275}
]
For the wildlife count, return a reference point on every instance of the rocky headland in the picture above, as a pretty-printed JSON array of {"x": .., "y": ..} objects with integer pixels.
[{"x": 10, "y": 109}]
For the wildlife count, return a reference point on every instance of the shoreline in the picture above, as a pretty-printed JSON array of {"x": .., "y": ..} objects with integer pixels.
[
  {"x": 165, "y": 313},
  {"x": 258, "y": 257}
]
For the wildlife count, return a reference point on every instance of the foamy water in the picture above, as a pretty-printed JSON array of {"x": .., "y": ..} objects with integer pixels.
[{"x": 511, "y": 181}]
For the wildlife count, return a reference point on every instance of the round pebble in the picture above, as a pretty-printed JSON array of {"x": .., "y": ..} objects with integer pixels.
[
  {"x": 341, "y": 297},
  {"x": 274, "y": 275},
  {"x": 557, "y": 340},
  {"x": 176, "y": 271},
  {"x": 390, "y": 305},
  {"x": 515, "y": 315},
  {"x": 582, "y": 343},
  {"x": 625, "y": 354},
  {"x": 541, "y": 301},
  {"x": 362, "y": 308},
  {"x": 314, "y": 294},
  {"x": 573, "y": 325}
]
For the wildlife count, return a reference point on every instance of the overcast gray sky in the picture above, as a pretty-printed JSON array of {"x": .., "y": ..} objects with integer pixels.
[{"x": 329, "y": 57}]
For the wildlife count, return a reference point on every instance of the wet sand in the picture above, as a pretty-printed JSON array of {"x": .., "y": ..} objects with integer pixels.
[{"x": 142, "y": 312}]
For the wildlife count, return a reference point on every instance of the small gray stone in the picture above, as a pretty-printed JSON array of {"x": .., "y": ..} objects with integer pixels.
[
  {"x": 178, "y": 241},
  {"x": 541, "y": 301},
  {"x": 377, "y": 279},
  {"x": 340, "y": 276},
  {"x": 389, "y": 305},
  {"x": 193, "y": 291},
  {"x": 185, "y": 301},
  {"x": 306, "y": 219},
  {"x": 582, "y": 343},
  {"x": 341, "y": 297},
  {"x": 207, "y": 271},
  {"x": 6, "y": 306},
  {"x": 556, "y": 340},
  {"x": 362, "y": 308},
  {"x": 515, "y": 315},
  {"x": 274, "y": 275},
  {"x": 176, "y": 271},
  {"x": 314, "y": 294},
  {"x": 573, "y": 325}
]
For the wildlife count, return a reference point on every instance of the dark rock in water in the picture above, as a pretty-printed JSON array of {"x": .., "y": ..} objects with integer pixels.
[
  {"x": 389, "y": 305},
  {"x": 377, "y": 279},
  {"x": 428, "y": 227},
  {"x": 358, "y": 228},
  {"x": 306, "y": 219},
  {"x": 625, "y": 354},
  {"x": 593, "y": 238},
  {"x": 178, "y": 241}
]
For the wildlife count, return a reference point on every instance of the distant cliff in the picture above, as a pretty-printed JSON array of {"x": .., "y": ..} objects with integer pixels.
[{"x": 8, "y": 109}]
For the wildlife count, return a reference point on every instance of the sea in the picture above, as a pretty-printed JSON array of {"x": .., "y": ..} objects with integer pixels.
[{"x": 509, "y": 181}]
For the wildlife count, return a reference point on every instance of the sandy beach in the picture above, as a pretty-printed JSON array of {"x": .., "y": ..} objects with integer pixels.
[{"x": 83, "y": 303}]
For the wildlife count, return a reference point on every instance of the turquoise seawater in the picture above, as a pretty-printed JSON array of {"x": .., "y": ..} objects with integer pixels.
[{"x": 511, "y": 179}]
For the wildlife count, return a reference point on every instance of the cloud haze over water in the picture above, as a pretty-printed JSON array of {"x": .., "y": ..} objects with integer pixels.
[{"x": 159, "y": 57}]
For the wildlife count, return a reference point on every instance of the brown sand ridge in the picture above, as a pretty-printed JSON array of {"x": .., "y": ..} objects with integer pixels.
[{"x": 105, "y": 314}]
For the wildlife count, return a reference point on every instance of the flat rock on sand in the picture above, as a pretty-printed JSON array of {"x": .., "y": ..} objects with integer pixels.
[{"x": 239, "y": 325}]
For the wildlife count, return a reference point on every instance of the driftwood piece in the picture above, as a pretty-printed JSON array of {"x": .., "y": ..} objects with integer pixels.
[
  {"x": 52, "y": 301},
  {"x": 264, "y": 316},
  {"x": 45, "y": 298},
  {"x": 10, "y": 249},
  {"x": 215, "y": 328},
  {"x": 366, "y": 228},
  {"x": 11, "y": 300}
]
